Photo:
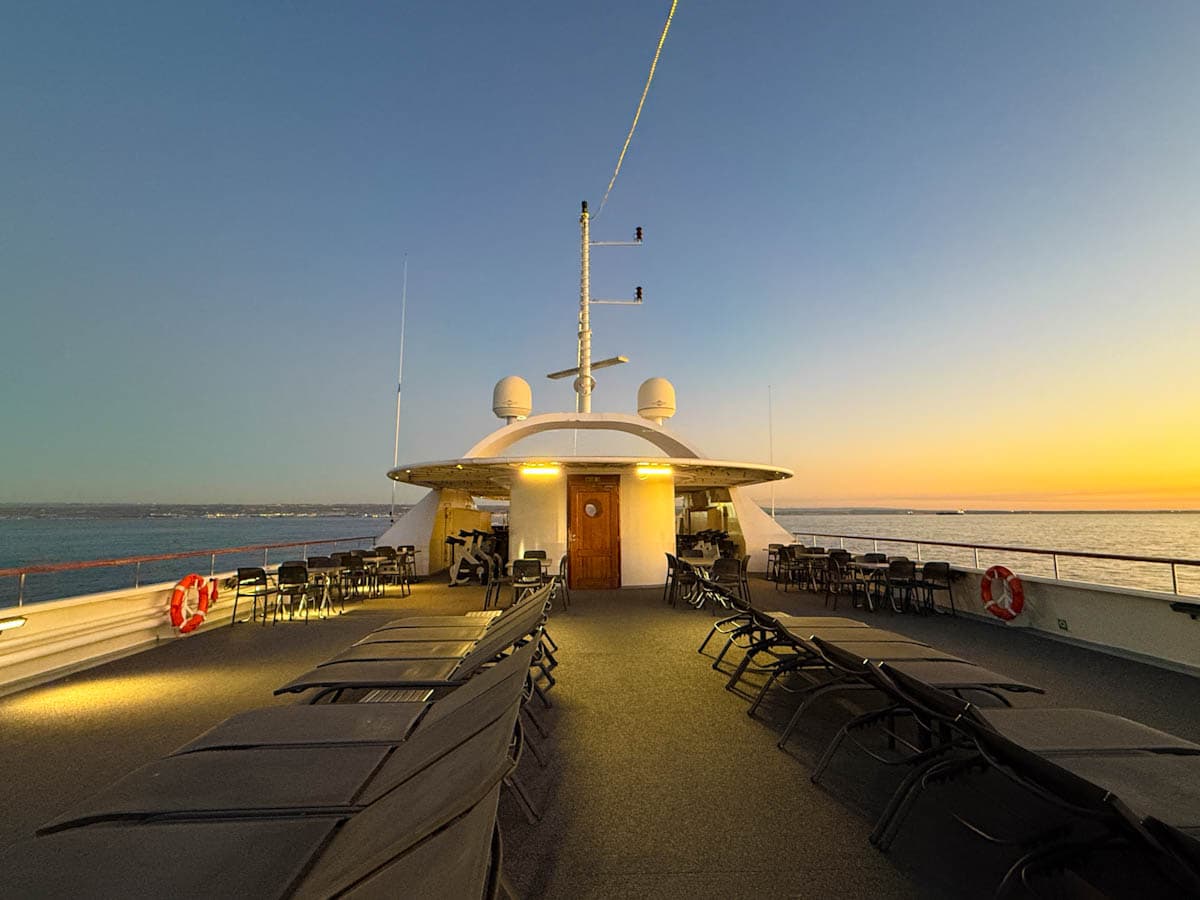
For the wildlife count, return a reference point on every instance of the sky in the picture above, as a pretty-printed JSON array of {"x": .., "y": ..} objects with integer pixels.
[{"x": 927, "y": 255}]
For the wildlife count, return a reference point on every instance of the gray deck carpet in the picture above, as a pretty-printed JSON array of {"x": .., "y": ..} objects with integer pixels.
[{"x": 659, "y": 784}]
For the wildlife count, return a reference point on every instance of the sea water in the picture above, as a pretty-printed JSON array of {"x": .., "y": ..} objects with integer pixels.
[
  {"x": 66, "y": 533},
  {"x": 31, "y": 535}
]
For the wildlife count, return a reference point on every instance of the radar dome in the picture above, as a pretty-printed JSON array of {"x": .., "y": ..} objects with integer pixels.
[
  {"x": 512, "y": 399},
  {"x": 656, "y": 400}
]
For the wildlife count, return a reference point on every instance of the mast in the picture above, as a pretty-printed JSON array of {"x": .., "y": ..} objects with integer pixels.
[{"x": 584, "y": 383}]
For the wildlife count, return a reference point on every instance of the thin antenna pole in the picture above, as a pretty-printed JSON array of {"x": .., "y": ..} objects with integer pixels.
[
  {"x": 771, "y": 443},
  {"x": 583, "y": 386},
  {"x": 399, "y": 384}
]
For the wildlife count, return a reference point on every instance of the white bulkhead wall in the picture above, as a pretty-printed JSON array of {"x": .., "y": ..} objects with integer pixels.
[
  {"x": 647, "y": 528},
  {"x": 537, "y": 516}
]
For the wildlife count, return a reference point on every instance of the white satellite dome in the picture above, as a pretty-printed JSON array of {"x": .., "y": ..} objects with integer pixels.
[
  {"x": 512, "y": 398},
  {"x": 656, "y": 400}
]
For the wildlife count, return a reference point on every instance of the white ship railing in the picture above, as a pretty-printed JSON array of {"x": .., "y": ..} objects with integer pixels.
[
  {"x": 1054, "y": 555},
  {"x": 22, "y": 572}
]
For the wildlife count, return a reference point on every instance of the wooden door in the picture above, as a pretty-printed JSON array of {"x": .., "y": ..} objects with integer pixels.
[{"x": 594, "y": 524}]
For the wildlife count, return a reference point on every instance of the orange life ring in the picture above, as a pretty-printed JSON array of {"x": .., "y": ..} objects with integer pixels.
[
  {"x": 182, "y": 615},
  {"x": 1011, "y": 601}
]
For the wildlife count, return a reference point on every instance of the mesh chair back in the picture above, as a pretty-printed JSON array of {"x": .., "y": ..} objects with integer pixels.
[
  {"x": 1184, "y": 848},
  {"x": 360, "y": 553},
  {"x": 385, "y": 552},
  {"x": 875, "y": 557},
  {"x": 251, "y": 576},
  {"x": 925, "y": 696},
  {"x": 901, "y": 569},
  {"x": 526, "y": 570},
  {"x": 726, "y": 568},
  {"x": 291, "y": 573},
  {"x": 938, "y": 572},
  {"x": 534, "y": 554},
  {"x": 511, "y": 667},
  {"x": 840, "y": 658},
  {"x": 320, "y": 562},
  {"x": 1039, "y": 772}
]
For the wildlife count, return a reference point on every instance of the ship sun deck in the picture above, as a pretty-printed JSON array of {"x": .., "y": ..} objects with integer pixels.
[{"x": 658, "y": 783}]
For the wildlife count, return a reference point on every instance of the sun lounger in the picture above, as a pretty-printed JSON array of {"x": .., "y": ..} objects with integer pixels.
[
  {"x": 1120, "y": 774},
  {"x": 303, "y": 779},
  {"x": 854, "y": 667},
  {"x": 404, "y": 650},
  {"x": 354, "y": 723},
  {"x": 410, "y": 635},
  {"x": 338, "y": 676},
  {"x": 432, "y": 839}
]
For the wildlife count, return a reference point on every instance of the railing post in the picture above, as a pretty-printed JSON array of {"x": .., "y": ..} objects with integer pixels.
[
  {"x": 266, "y": 553},
  {"x": 212, "y": 566},
  {"x": 1054, "y": 557},
  {"x": 304, "y": 552},
  {"x": 976, "y": 549},
  {"x": 21, "y": 589},
  {"x": 1174, "y": 580},
  {"x": 918, "y": 543},
  {"x": 874, "y": 546},
  {"x": 137, "y": 575}
]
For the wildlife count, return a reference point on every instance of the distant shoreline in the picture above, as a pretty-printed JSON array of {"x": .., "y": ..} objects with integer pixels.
[{"x": 113, "y": 510}]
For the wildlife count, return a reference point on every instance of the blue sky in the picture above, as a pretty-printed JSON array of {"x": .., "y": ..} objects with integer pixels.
[{"x": 957, "y": 239}]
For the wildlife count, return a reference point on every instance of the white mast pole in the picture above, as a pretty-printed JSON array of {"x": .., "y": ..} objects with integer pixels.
[
  {"x": 583, "y": 385},
  {"x": 399, "y": 384},
  {"x": 771, "y": 444}
]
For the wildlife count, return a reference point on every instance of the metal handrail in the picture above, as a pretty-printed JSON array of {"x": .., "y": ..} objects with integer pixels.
[
  {"x": 1054, "y": 554},
  {"x": 43, "y": 568}
]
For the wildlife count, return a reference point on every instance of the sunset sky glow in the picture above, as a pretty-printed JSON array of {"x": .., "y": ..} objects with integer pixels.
[{"x": 958, "y": 242}]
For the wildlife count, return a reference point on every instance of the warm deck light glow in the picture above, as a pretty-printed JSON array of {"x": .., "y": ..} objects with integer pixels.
[
  {"x": 14, "y": 622},
  {"x": 540, "y": 470},
  {"x": 645, "y": 469}
]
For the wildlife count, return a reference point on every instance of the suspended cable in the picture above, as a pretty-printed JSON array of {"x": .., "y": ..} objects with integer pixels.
[
  {"x": 637, "y": 115},
  {"x": 399, "y": 385}
]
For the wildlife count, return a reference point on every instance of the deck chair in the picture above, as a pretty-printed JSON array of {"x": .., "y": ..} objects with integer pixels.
[
  {"x": 849, "y": 664},
  {"x": 935, "y": 576},
  {"x": 337, "y": 678},
  {"x": 251, "y": 581},
  {"x": 431, "y": 836},
  {"x": 301, "y": 778},
  {"x": 387, "y": 723},
  {"x": 1088, "y": 743},
  {"x": 802, "y": 653},
  {"x": 526, "y": 577}
]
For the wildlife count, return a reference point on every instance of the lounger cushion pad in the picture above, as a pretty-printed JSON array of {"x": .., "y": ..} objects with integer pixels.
[
  {"x": 234, "y": 780},
  {"x": 1166, "y": 786},
  {"x": 405, "y": 650},
  {"x": 950, "y": 675},
  {"x": 420, "y": 673},
  {"x": 176, "y": 860},
  {"x": 1064, "y": 730},
  {"x": 305, "y": 725}
]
